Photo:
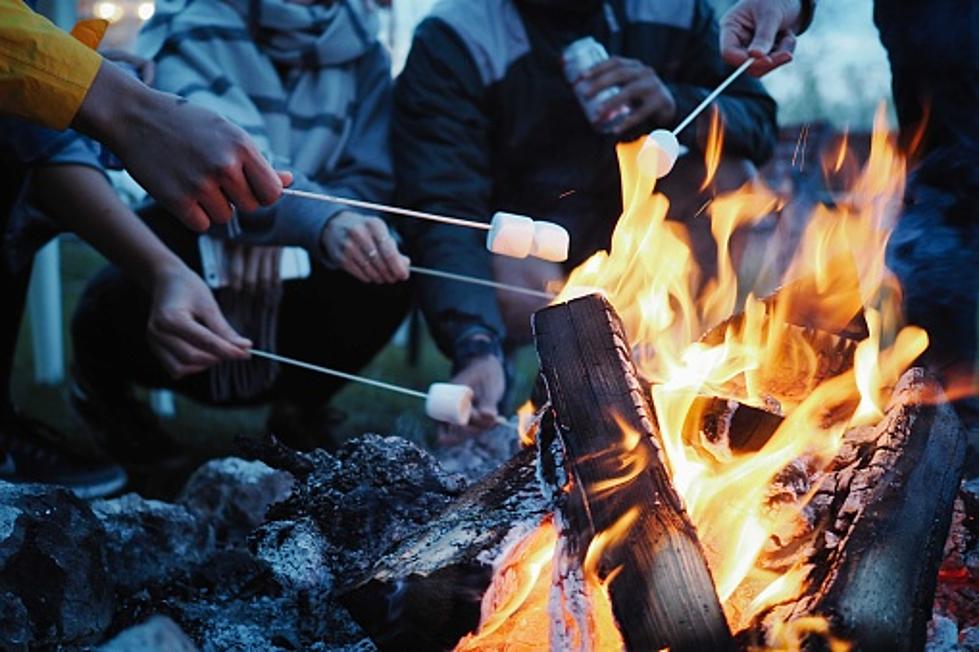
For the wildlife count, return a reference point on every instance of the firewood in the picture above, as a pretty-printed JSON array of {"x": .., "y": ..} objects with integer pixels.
[
  {"x": 881, "y": 516},
  {"x": 789, "y": 375},
  {"x": 663, "y": 594},
  {"x": 425, "y": 594}
]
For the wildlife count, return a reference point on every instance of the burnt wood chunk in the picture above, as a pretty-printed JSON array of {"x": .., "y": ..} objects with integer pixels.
[
  {"x": 882, "y": 514},
  {"x": 662, "y": 595},
  {"x": 426, "y": 594}
]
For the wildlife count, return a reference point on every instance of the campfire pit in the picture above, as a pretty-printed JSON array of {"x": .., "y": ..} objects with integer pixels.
[
  {"x": 786, "y": 478},
  {"x": 869, "y": 542}
]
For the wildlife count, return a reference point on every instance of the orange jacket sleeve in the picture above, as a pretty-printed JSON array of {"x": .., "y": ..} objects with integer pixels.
[{"x": 45, "y": 73}]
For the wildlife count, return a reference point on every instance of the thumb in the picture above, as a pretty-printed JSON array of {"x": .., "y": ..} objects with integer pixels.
[
  {"x": 765, "y": 31},
  {"x": 285, "y": 177},
  {"x": 215, "y": 321}
]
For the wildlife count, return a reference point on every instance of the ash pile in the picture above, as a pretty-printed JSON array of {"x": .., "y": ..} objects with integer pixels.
[{"x": 247, "y": 557}]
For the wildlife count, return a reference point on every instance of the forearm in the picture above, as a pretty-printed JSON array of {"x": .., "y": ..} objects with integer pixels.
[
  {"x": 82, "y": 200},
  {"x": 117, "y": 101}
]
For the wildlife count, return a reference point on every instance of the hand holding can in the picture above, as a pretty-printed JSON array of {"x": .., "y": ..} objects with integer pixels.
[{"x": 580, "y": 57}]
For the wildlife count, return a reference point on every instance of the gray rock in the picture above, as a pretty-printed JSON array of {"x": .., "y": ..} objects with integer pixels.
[
  {"x": 158, "y": 634},
  {"x": 149, "y": 541},
  {"x": 232, "y": 496},
  {"x": 943, "y": 635},
  {"x": 969, "y": 639},
  {"x": 54, "y": 583},
  {"x": 373, "y": 493},
  {"x": 296, "y": 553}
]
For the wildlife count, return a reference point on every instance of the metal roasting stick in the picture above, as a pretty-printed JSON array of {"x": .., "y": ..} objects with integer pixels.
[
  {"x": 384, "y": 208},
  {"x": 480, "y": 281},
  {"x": 357, "y": 379},
  {"x": 713, "y": 96},
  {"x": 340, "y": 374}
]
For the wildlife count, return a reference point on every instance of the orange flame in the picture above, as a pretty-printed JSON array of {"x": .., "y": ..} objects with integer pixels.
[
  {"x": 714, "y": 148},
  {"x": 791, "y": 636},
  {"x": 772, "y": 356},
  {"x": 841, "y": 153},
  {"x": 515, "y": 605}
]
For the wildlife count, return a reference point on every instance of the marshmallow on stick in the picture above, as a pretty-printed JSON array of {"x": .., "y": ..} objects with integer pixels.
[
  {"x": 658, "y": 154},
  {"x": 443, "y": 401},
  {"x": 449, "y": 403},
  {"x": 509, "y": 234},
  {"x": 518, "y": 236},
  {"x": 661, "y": 149}
]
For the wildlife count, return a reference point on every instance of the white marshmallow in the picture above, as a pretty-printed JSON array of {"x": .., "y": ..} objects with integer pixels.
[
  {"x": 511, "y": 235},
  {"x": 449, "y": 403},
  {"x": 551, "y": 242},
  {"x": 658, "y": 154}
]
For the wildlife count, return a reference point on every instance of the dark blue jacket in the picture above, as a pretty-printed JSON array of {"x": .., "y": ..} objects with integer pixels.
[{"x": 485, "y": 121}]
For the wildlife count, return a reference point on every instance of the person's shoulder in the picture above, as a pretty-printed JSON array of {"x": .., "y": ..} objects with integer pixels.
[
  {"x": 671, "y": 13},
  {"x": 491, "y": 31},
  {"x": 174, "y": 17}
]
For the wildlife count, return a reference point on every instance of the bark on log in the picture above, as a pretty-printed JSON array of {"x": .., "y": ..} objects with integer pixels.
[
  {"x": 664, "y": 595},
  {"x": 881, "y": 518},
  {"x": 426, "y": 594}
]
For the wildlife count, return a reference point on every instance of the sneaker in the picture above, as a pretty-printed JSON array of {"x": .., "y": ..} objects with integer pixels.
[
  {"x": 125, "y": 428},
  {"x": 29, "y": 454},
  {"x": 304, "y": 428}
]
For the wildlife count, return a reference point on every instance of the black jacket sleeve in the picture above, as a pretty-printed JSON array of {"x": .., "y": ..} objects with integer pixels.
[
  {"x": 442, "y": 156},
  {"x": 747, "y": 111}
]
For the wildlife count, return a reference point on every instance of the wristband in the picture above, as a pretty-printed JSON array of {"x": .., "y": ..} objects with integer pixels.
[{"x": 473, "y": 344}]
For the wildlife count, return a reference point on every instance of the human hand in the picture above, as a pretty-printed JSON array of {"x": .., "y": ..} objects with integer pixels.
[
  {"x": 486, "y": 377},
  {"x": 364, "y": 248},
  {"x": 763, "y": 29},
  {"x": 186, "y": 329},
  {"x": 144, "y": 67},
  {"x": 253, "y": 268},
  {"x": 642, "y": 91},
  {"x": 191, "y": 160}
]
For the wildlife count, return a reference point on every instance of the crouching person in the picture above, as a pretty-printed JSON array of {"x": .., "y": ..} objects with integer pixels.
[
  {"x": 486, "y": 121},
  {"x": 311, "y": 85}
]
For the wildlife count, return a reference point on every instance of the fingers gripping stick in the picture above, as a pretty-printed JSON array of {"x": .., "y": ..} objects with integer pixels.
[
  {"x": 661, "y": 149},
  {"x": 443, "y": 402},
  {"x": 509, "y": 234}
]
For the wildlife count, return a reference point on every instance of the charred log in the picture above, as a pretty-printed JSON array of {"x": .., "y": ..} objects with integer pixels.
[
  {"x": 426, "y": 594},
  {"x": 881, "y": 516},
  {"x": 663, "y": 595}
]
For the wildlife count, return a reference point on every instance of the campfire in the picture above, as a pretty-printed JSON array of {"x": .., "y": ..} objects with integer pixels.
[{"x": 713, "y": 465}]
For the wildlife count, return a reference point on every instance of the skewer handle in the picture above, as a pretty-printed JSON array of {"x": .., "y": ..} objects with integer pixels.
[
  {"x": 713, "y": 96},
  {"x": 384, "y": 208},
  {"x": 339, "y": 374},
  {"x": 480, "y": 281}
]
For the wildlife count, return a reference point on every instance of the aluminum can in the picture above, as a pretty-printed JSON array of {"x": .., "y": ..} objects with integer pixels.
[{"x": 580, "y": 57}]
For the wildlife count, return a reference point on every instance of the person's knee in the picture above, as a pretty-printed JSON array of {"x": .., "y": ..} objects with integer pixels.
[{"x": 111, "y": 304}]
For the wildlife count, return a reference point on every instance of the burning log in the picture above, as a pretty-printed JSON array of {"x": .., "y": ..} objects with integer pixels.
[
  {"x": 425, "y": 595},
  {"x": 882, "y": 514},
  {"x": 663, "y": 594}
]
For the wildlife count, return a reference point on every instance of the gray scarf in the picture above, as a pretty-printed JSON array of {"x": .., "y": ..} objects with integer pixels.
[
  {"x": 283, "y": 72},
  {"x": 280, "y": 70}
]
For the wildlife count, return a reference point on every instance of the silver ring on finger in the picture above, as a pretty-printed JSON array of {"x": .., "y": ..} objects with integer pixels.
[{"x": 372, "y": 253}]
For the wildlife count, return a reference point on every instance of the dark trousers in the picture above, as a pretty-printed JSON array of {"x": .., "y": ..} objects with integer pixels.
[
  {"x": 329, "y": 319},
  {"x": 13, "y": 294}
]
